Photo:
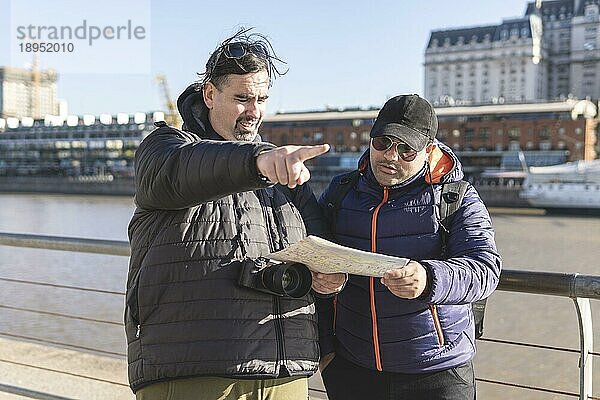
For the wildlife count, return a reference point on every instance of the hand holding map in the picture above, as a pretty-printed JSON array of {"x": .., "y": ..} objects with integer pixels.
[{"x": 321, "y": 255}]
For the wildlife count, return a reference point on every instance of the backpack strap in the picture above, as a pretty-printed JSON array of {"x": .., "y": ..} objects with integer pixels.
[
  {"x": 336, "y": 195},
  {"x": 450, "y": 201}
]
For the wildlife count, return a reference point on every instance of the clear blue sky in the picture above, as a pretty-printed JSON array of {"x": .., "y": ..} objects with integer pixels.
[{"x": 341, "y": 54}]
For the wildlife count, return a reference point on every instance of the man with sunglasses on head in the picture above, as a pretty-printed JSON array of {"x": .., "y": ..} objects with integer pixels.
[
  {"x": 210, "y": 199},
  {"x": 408, "y": 335}
]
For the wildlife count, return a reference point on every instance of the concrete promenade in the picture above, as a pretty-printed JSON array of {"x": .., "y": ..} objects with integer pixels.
[
  {"x": 27, "y": 371},
  {"x": 86, "y": 376}
]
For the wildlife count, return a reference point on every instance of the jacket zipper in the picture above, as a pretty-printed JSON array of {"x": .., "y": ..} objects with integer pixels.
[
  {"x": 335, "y": 298},
  {"x": 276, "y": 304},
  {"x": 372, "y": 281},
  {"x": 436, "y": 323},
  {"x": 135, "y": 308}
]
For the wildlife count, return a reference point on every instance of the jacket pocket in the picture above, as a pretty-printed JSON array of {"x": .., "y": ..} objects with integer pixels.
[
  {"x": 436, "y": 324},
  {"x": 132, "y": 301}
]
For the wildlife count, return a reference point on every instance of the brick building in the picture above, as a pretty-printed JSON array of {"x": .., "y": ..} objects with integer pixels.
[{"x": 550, "y": 133}]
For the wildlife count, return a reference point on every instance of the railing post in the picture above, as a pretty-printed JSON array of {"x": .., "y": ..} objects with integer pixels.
[{"x": 586, "y": 344}]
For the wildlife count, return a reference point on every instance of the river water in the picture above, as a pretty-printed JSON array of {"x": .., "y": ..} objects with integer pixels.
[{"x": 527, "y": 241}]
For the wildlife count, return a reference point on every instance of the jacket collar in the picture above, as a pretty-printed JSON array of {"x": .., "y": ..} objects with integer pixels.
[{"x": 194, "y": 113}]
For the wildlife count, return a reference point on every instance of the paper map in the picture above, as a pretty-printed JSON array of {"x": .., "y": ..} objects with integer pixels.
[{"x": 321, "y": 255}]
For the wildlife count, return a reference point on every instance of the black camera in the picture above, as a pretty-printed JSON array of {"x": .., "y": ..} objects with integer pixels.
[{"x": 281, "y": 279}]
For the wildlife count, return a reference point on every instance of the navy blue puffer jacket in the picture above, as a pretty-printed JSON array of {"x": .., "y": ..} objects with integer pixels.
[{"x": 370, "y": 326}]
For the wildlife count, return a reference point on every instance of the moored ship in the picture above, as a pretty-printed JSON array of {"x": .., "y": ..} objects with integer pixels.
[{"x": 574, "y": 186}]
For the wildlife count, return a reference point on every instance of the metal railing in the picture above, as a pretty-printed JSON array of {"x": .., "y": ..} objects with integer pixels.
[{"x": 580, "y": 288}]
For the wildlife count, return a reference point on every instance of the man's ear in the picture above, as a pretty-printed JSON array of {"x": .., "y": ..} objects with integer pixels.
[
  {"x": 208, "y": 91},
  {"x": 429, "y": 148}
]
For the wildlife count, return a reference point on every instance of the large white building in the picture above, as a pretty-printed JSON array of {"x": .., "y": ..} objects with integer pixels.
[
  {"x": 28, "y": 92},
  {"x": 550, "y": 53}
]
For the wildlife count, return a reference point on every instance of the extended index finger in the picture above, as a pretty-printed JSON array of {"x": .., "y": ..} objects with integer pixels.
[{"x": 308, "y": 152}]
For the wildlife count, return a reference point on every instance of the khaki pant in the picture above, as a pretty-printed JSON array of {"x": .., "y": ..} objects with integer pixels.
[{"x": 214, "y": 388}]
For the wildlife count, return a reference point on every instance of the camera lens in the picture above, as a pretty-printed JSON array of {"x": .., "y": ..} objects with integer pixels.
[
  {"x": 296, "y": 279},
  {"x": 290, "y": 280}
]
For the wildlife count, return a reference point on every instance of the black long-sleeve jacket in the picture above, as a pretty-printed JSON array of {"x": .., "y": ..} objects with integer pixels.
[{"x": 202, "y": 208}]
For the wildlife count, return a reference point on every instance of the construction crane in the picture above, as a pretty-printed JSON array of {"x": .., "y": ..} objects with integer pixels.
[{"x": 171, "y": 115}]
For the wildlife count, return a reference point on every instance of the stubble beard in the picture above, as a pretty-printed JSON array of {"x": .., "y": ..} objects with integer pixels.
[
  {"x": 244, "y": 135},
  {"x": 401, "y": 175}
]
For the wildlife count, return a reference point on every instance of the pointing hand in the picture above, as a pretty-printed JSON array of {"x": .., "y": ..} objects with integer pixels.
[{"x": 285, "y": 164}]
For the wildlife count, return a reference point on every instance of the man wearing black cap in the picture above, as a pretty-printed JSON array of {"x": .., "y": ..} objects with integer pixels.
[{"x": 409, "y": 334}]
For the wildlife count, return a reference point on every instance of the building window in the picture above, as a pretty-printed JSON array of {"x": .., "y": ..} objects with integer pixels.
[
  {"x": 484, "y": 133},
  {"x": 318, "y": 136},
  {"x": 514, "y": 133},
  {"x": 591, "y": 12},
  {"x": 514, "y": 145}
]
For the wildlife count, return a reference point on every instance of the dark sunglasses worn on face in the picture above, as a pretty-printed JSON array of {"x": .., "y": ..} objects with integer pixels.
[{"x": 384, "y": 143}]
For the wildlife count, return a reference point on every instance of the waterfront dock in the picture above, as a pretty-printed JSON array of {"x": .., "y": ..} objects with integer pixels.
[{"x": 62, "y": 310}]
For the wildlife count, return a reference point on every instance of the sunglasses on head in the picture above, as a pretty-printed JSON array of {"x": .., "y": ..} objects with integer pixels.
[
  {"x": 384, "y": 143},
  {"x": 235, "y": 51},
  {"x": 240, "y": 49}
]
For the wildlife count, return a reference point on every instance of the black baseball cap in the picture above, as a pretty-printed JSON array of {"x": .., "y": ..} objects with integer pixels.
[{"x": 409, "y": 118}]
